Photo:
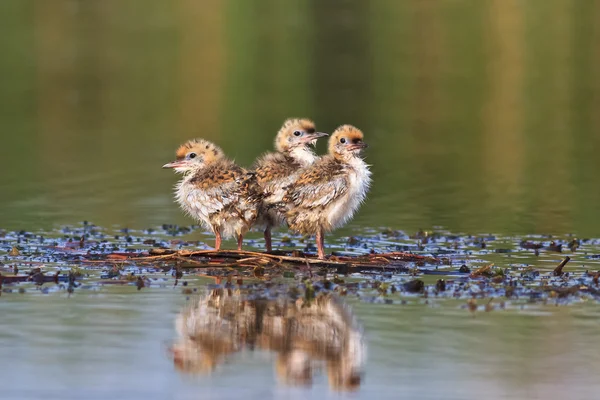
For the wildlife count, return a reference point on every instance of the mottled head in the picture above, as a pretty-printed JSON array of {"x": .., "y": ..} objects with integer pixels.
[
  {"x": 345, "y": 141},
  {"x": 194, "y": 155},
  {"x": 296, "y": 132}
]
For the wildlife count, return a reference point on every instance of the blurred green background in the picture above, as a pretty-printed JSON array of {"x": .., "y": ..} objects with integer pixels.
[{"x": 482, "y": 116}]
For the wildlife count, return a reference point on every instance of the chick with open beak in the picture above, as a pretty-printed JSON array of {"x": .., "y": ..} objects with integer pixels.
[
  {"x": 327, "y": 194},
  {"x": 222, "y": 196},
  {"x": 277, "y": 170}
]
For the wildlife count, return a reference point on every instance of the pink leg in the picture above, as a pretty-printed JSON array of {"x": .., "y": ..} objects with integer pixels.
[
  {"x": 240, "y": 240},
  {"x": 217, "y": 240},
  {"x": 320, "y": 244},
  {"x": 268, "y": 239}
]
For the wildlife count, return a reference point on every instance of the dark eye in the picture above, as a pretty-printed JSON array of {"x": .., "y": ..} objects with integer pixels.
[
  {"x": 297, "y": 133},
  {"x": 343, "y": 140},
  {"x": 192, "y": 155}
]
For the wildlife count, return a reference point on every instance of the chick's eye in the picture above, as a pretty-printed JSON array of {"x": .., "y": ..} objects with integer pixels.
[
  {"x": 192, "y": 155},
  {"x": 343, "y": 140},
  {"x": 297, "y": 133}
]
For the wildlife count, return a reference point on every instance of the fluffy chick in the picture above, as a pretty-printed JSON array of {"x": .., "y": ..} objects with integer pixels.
[
  {"x": 222, "y": 196},
  {"x": 277, "y": 170},
  {"x": 327, "y": 194}
]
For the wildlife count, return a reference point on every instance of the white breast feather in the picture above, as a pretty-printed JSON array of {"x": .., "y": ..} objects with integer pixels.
[
  {"x": 201, "y": 205},
  {"x": 343, "y": 209},
  {"x": 197, "y": 203},
  {"x": 304, "y": 156}
]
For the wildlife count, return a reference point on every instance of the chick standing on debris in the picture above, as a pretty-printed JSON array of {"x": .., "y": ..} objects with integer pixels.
[
  {"x": 328, "y": 193},
  {"x": 214, "y": 190},
  {"x": 275, "y": 171}
]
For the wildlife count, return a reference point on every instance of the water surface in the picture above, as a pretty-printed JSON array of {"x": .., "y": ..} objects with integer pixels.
[
  {"x": 114, "y": 344},
  {"x": 481, "y": 116}
]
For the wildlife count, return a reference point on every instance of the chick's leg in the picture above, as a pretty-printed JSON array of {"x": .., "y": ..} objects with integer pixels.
[
  {"x": 320, "y": 239},
  {"x": 268, "y": 244},
  {"x": 240, "y": 240},
  {"x": 217, "y": 240}
]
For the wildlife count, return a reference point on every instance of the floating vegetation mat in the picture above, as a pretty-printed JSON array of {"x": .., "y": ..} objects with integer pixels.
[{"x": 381, "y": 265}]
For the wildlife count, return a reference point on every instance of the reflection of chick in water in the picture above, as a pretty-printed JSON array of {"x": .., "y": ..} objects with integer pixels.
[
  {"x": 294, "y": 368},
  {"x": 302, "y": 335},
  {"x": 207, "y": 334},
  {"x": 200, "y": 355}
]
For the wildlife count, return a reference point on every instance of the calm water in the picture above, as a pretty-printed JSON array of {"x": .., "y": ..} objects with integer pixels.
[
  {"x": 113, "y": 344},
  {"x": 482, "y": 116}
]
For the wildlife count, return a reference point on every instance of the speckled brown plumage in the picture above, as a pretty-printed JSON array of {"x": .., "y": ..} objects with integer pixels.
[
  {"x": 231, "y": 190},
  {"x": 274, "y": 172},
  {"x": 274, "y": 166},
  {"x": 312, "y": 192}
]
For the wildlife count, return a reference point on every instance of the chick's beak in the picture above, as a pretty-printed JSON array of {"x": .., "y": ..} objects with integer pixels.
[
  {"x": 175, "y": 164},
  {"x": 310, "y": 137},
  {"x": 358, "y": 146}
]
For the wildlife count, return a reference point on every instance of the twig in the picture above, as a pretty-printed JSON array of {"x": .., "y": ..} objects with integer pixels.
[
  {"x": 252, "y": 258},
  {"x": 558, "y": 271}
]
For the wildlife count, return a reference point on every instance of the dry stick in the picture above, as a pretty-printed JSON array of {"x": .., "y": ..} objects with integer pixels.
[
  {"x": 236, "y": 253},
  {"x": 272, "y": 257},
  {"x": 239, "y": 254},
  {"x": 381, "y": 259},
  {"x": 558, "y": 271},
  {"x": 334, "y": 262},
  {"x": 191, "y": 261},
  {"x": 368, "y": 262},
  {"x": 245, "y": 265},
  {"x": 241, "y": 260},
  {"x": 277, "y": 263}
]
